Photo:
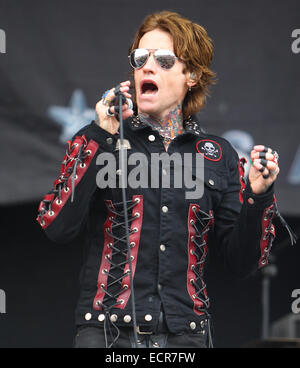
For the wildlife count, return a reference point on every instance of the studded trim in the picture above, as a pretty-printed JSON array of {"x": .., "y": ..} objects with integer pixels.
[
  {"x": 190, "y": 125},
  {"x": 241, "y": 170}
]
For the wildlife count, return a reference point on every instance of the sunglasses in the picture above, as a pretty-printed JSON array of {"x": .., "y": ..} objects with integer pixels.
[{"x": 164, "y": 58}]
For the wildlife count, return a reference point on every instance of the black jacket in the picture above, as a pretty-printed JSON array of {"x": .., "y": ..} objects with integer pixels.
[{"x": 169, "y": 234}]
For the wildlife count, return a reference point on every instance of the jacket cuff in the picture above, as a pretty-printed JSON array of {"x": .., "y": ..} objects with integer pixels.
[
  {"x": 106, "y": 140},
  {"x": 258, "y": 201}
]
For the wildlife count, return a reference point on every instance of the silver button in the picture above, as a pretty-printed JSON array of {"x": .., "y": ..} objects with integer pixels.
[
  {"x": 118, "y": 172},
  {"x": 113, "y": 318},
  {"x": 164, "y": 209},
  {"x": 151, "y": 138},
  {"x": 88, "y": 316},
  {"x": 148, "y": 317},
  {"x": 164, "y": 171},
  {"x": 109, "y": 140},
  {"x": 155, "y": 345},
  {"x": 162, "y": 247},
  {"x": 211, "y": 182},
  {"x": 127, "y": 318},
  {"x": 101, "y": 317},
  {"x": 250, "y": 200},
  {"x": 159, "y": 287},
  {"x": 192, "y": 325}
]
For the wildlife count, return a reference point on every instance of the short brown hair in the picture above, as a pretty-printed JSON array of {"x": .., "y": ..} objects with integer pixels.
[{"x": 192, "y": 45}]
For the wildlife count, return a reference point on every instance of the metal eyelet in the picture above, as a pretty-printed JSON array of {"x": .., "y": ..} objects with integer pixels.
[
  {"x": 137, "y": 214},
  {"x": 192, "y": 222},
  {"x": 50, "y": 213},
  {"x": 132, "y": 244},
  {"x": 88, "y": 152},
  {"x": 263, "y": 261},
  {"x": 194, "y": 208},
  {"x": 104, "y": 271},
  {"x": 66, "y": 189},
  {"x": 192, "y": 238},
  {"x": 121, "y": 301},
  {"x": 107, "y": 256},
  {"x": 125, "y": 286},
  {"x": 135, "y": 229},
  {"x": 132, "y": 258},
  {"x": 137, "y": 200},
  {"x": 59, "y": 202},
  {"x": 109, "y": 245},
  {"x": 82, "y": 165}
]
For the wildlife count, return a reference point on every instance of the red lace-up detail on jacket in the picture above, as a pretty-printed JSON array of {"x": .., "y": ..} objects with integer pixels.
[
  {"x": 199, "y": 223},
  {"x": 79, "y": 155}
]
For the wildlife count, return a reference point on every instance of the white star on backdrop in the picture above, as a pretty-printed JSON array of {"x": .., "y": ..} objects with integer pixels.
[{"x": 73, "y": 117}]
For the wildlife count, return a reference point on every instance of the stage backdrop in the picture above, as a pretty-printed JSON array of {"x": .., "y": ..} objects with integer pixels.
[{"x": 58, "y": 57}]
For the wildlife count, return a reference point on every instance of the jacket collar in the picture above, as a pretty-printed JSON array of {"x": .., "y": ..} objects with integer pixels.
[{"x": 191, "y": 125}]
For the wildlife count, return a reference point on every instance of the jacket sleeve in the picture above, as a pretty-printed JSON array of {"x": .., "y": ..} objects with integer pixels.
[
  {"x": 64, "y": 209},
  {"x": 243, "y": 222}
]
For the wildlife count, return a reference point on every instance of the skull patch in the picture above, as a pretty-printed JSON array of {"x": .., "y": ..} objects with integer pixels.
[{"x": 209, "y": 149}]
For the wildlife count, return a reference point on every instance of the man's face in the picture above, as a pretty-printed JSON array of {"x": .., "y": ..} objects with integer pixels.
[{"x": 168, "y": 87}]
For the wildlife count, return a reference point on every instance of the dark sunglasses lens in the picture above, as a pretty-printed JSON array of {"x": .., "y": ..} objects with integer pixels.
[
  {"x": 165, "y": 58},
  {"x": 138, "y": 57}
]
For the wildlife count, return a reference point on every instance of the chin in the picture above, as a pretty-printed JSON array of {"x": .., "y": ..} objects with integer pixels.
[{"x": 147, "y": 108}]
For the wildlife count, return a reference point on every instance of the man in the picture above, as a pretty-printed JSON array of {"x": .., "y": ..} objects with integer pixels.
[{"x": 169, "y": 235}]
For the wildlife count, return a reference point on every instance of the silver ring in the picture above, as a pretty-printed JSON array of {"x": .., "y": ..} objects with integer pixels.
[
  {"x": 273, "y": 172},
  {"x": 276, "y": 157},
  {"x": 105, "y": 102},
  {"x": 129, "y": 103},
  {"x": 108, "y": 112}
]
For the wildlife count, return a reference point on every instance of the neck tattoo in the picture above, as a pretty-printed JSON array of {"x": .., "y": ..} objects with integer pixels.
[{"x": 168, "y": 127}]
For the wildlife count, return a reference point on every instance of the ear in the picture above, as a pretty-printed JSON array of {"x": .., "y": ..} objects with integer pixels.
[{"x": 194, "y": 78}]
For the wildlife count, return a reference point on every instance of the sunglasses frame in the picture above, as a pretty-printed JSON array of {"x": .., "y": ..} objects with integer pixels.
[{"x": 152, "y": 51}]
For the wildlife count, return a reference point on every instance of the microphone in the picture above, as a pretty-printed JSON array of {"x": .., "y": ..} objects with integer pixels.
[{"x": 116, "y": 100}]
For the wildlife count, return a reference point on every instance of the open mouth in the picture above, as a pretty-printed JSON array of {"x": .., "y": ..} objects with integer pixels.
[{"x": 148, "y": 87}]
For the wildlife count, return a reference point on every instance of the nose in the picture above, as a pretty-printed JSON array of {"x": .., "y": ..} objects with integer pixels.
[{"x": 150, "y": 66}]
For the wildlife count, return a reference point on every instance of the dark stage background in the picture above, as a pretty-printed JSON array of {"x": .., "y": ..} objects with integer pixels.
[{"x": 60, "y": 57}]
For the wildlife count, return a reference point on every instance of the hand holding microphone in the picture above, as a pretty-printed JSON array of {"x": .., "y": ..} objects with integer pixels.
[{"x": 107, "y": 109}]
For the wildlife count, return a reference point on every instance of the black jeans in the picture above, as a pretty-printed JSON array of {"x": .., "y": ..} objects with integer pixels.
[{"x": 93, "y": 337}]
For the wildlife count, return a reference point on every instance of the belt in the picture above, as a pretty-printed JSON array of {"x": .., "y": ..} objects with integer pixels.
[{"x": 160, "y": 328}]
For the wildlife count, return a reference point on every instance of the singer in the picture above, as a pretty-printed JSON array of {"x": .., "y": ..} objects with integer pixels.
[{"x": 169, "y": 235}]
